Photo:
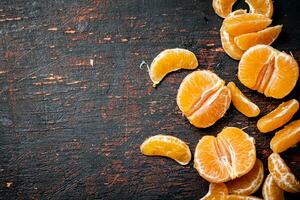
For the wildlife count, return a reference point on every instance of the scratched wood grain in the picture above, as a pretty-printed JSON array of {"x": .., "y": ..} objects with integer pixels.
[{"x": 74, "y": 106}]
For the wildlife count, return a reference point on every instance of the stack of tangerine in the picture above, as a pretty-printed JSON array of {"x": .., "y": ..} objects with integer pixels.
[{"x": 229, "y": 161}]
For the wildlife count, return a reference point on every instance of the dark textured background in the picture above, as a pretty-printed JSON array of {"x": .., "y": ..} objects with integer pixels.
[{"x": 74, "y": 106}]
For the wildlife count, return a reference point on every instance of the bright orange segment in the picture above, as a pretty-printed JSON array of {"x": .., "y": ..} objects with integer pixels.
[
  {"x": 266, "y": 36},
  {"x": 264, "y": 7},
  {"x": 240, "y": 197},
  {"x": 223, "y": 7},
  {"x": 271, "y": 191},
  {"x": 217, "y": 191},
  {"x": 171, "y": 60},
  {"x": 230, "y": 155},
  {"x": 249, "y": 183},
  {"x": 268, "y": 71},
  {"x": 203, "y": 98},
  {"x": 278, "y": 117},
  {"x": 282, "y": 174},
  {"x": 241, "y": 102},
  {"x": 168, "y": 146},
  {"x": 286, "y": 137},
  {"x": 245, "y": 23}
]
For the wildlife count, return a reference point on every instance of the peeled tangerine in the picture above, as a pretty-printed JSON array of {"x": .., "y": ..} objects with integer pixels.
[
  {"x": 171, "y": 60},
  {"x": 278, "y": 117},
  {"x": 203, "y": 98},
  {"x": 249, "y": 183},
  {"x": 271, "y": 191},
  {"x": 286, "y": 137},
  {"x": 228, "y": 156},
  {"x": 268, "y": 71},
  {"x": 241, "y": 102},
  {"x": 282, "y": 174},
  {"x": 216, "y": 191},
  {"x": 168, "y": 146}
]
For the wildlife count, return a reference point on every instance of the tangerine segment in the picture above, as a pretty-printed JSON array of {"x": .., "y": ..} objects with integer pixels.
[
  {"x": 278, "y": 117},
  {"x": 266, "y": 36},
  {"x": 271, "y": 191},
  {"x": 241, "y": 102},
  {"x": 282, "y": 174},
  {"x": 286, "y": 138},
  {"x": 264, "y": 7},
  {"x": 171, "y": 60},
  {"x": 240, "y": 197},
  {"x": 245, "y": 23},
  {"x": 268, "y": 71},
  {"x": 249, "y": 183},
  {"x": 229, "y": 155},
  {"x": 168, "y": 146},
  {"x": 223, "y": 7},
  {"x": 203, "y": 98},
  {"x": 216, "y": 191}
]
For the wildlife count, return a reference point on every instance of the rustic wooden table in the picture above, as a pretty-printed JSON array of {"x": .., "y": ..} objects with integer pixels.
[{"x": 74, "y": 106}]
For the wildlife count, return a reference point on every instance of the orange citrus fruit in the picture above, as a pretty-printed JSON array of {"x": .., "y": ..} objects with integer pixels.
[
  {"x": 230, "y": 155},
  {"x": 268, "y": 71},
  {"x": 223, "y": 7},
  {"x": 245, "y": 23},
  {"x": 266, "y": 36},
  {"x": 203, "y": 98},
  {"x": 217, "y": 191},
  {"x": 171, "y": 60},
  {"x": 241, "y": 197},
  {"x": 271, "y": 191},
  {"x": 241, "y": 102},
  {"x": 278, "y": 117},
  {"x": 286, "y": 137},
  {"x": 168, "y": 146},
  {"x": 249, "y": 183},
  {"x": 282, "y": 174},
  {"x": 264, "y": 7}
]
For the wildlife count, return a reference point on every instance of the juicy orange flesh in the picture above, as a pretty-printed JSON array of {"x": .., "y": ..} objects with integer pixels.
[
  {"x": 171, "y": 60},
  {"x": 223, "y": 158},
  {"x": 249, "y": 183},
  {"x": 241, "y": 102},
  {"x": 241, "y": 197},
  {"x": 282, "y": 174},
  {"x": 264, "y": 7},
  {"x": 168, "y": 146},
  {"x": 216, "y": 191},
  {"x": 271, "y": 191},
  {"x": 278, "y": 117},
  {"x": 286, "y": 137},
  {"x": 266, "y": 36},
  {"x": 223, "y": 7},
  {"x": 229, "y": 45}
]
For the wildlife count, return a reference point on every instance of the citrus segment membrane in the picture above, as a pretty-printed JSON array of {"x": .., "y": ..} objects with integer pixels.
[
  {"x": 223, "y": 7},
  {"x": 240, "y": 197},
  {"x": 271, "y": 191},
  {"x": 264, "y": 7},
  {"x": 216, "y": 191}
]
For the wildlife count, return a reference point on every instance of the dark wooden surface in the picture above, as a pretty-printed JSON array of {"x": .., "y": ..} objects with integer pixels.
[{"x": 74, "y": 106}]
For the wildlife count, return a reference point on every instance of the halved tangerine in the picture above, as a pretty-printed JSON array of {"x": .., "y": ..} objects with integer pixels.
[
  {"x": 249, "y": 183},
  {"x": 286, "y": 137},
  {"x": 241, "y": 102},
  {"x": 217, "y": 191},
  {"x": 271, "y": 191},
  {"x": 266, "y": 36},
  {"x": 171, "y": 60},
  {"x": 168, "y": 146},
  {"x": 203, "y": 98},
  {"x": 223, "y": 7},
  {"x": 241, "y": 197},
  {"x": 278, "y": 117},
  {"x": 268, "y": 71},
  {"x": 230, "y": 155},
  {"x": 282, "y": 174},
  {"x": 264, "y": 7}
]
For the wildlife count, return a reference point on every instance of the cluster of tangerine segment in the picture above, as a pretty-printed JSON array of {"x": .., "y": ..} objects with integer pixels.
[
  {"x": 223, "y": 7},
  {"x": 216, "y": 191},
  {"x": 249, "y": 183},
  {"x": 171, "y": 60},
  {"x": 241, "y": 197},
  {"x": 228, "y": 156},
  {"x": 168, "y": 146},
  {"x": 241, "y": 102},
  {"x": 264, "y": 7},
  {"x": 278, "y": 117},
  {"x": 286, "y": 137},
  {"x": 282, "y": 174},
  {"x": 271, "y": 191},
  {"x": 203, "y": 98},
  {"x": 268, "y": 71}
]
